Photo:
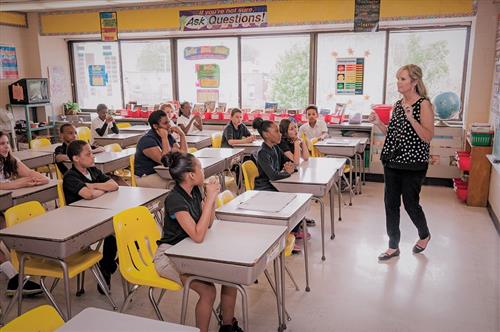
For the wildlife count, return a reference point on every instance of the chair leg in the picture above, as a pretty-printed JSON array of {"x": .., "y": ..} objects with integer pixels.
[
  {"x": 80, "y": 282},
  {"x": 268, "y": 277},
  {"x": 161, "y": 296},
  {"x": 291, "y": 278},
  {"x": 54, "y": 284},
  {"x": 128, "y": 298},
  {"x": 51, "y": 299},
  {"x": 100, "y": 280},
  {"x": 153, "y": 302}
]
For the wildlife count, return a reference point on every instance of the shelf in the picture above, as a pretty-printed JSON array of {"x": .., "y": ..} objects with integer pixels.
[
  {"x": 29, "y": 105},
  {"x": 42, "y": 128}
]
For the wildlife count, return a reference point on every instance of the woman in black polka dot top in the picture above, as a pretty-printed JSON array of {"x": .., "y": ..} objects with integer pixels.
[{"x": 405, "y": 157}]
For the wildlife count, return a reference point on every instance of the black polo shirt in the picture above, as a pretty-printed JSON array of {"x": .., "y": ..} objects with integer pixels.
[
  {"x": 286, "y": 145},
  {"x": 74, "y": 181},
  {"x": 230, "y": 132},
  {"x": 179, "y": 200},
  {"x": 62, "y": 149},
  {"x": 270, "y": 162},
  {"x": 143, "y": 164}
]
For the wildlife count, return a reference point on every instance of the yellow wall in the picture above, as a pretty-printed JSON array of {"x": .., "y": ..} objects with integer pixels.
[
  {"x": 280, "y": 12},
  {"x": 14, "y": 19}
]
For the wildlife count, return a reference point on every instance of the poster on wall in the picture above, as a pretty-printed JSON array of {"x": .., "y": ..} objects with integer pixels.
[
  {"x": 208, "y": 75},
  {"x": 8, "y": 63},
  {"x": 349, "y": 76},
  {"x": 98, "y": 75},
  {"x": 109, "y": 26},
  {"x": 207, "y": 95},
  {"x": 223, "y": 18},
  {"x": 366, "y": 15}
]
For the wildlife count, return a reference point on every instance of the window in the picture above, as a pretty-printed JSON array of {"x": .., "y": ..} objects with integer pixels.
[
  {"x": 350, "y": 70},
  {"x": 208, "y": 70},
  {"x": 147, "y": 72},
  {"x": 440, "y": 54},
  {"x": 275, "y": 69},
  {"x": 97, "y": 74}
]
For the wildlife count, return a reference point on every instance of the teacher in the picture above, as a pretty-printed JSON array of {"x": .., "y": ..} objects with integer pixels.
[{"x": 405, "y": 157}]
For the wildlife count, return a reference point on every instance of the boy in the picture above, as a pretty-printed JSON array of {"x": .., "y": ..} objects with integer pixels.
[
  {"x": 236, "y": 132},
  {"x": 155, "y": 144},
  {"x": 84, "y": 181},
  {"x": 67, "y": 132},
  {"x": 103, "y": 123},
  {"x": 314, "y": 128}
]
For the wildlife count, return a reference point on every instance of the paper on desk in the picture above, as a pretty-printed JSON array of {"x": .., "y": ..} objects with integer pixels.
[
  {"x": 267, "y": 202},
  {"x": 338, "y": 141}
]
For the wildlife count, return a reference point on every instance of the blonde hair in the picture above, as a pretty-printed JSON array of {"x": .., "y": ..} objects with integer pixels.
[
  {"x": 170, "y": 105},
  {"x": 415, "y": 73}
]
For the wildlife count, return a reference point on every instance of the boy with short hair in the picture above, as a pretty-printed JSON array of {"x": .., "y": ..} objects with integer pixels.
[
  {"x": 103, "y": 123},
  {"x": 313, "y": 128},
  {"x": 85, "y": 181}
]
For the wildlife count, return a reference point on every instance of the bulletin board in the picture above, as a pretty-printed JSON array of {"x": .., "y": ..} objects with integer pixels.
[{"x": 349, "y": 76}]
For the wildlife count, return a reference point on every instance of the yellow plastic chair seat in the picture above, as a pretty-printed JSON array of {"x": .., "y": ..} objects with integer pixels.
[
  {"x": 77, "y": 263},
  {"x": 347, "y": 168},
  {"x": 289, "y": 244},
  {"x": 192, "y": 150},
  {"x": 250, "y": 172},
  {"x": 150, "y": 278},
  {"x": 40, "y": 319},
  {"x": 123, "y": 173},
  {"x": 216, "y": 140},
  {"x": 115, "y": 147},
  {"x": 224, "y": 197},
  {"x": 124, "y": 124}
]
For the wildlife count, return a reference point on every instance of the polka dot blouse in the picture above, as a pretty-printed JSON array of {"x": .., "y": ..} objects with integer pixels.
[{"x": 403, "y": 149}]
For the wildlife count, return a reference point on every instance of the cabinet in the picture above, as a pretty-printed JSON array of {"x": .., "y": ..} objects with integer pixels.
[
  {"x": 479, "y": 174},
  {"x": 34, "y": 113}
]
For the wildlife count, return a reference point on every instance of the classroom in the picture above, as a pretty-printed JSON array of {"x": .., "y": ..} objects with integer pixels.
[{"x": 245, "y": 165}]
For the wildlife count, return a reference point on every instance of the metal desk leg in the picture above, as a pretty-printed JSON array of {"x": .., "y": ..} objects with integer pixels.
[
  {"x": 332, "y": 212},
  {"x": 277, "y": 282},
  {"x": 282, "y": 283},
  {"x": 322, "y": 209},
  {"x": 306, "y": 254},
  {"x": 20, "y": 284},
  {"x": 339, "y": 195}
]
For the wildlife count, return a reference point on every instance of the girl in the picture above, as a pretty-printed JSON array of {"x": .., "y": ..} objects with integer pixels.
[
  {"x": 189, "y": 123},
  {"x": 291, "y": 145},
  {"x": 187, "y": 214}
]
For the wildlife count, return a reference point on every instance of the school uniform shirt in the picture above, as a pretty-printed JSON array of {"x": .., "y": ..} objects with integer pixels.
[
  {"x": 230, "y": 132},
  {"x": 62, "y": 149},
  {"x": 311, "y": 132},
  {"x": 286, "y": 145},
  {"x": 100, "y": 128},
  {"x": 179, "y": 200},
  {"x": 74, "y": 181},
  {"x": 182, "y": 120},
  {"x": 143, "y": 164},
  {"x": 270, "y": 162}
]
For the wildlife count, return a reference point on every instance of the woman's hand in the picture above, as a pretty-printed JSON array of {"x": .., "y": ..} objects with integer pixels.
[
  {"x": 409, "y": 113},
  {"x": 374, "y": 118},
  {"x": 177, "y": 130}
]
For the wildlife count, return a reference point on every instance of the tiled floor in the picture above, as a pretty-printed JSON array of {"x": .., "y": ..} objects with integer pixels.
[{"x": 453, "y": 286}]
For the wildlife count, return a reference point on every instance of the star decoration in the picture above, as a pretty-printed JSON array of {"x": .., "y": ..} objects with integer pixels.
[
  {"x": 367, "y": 53},
  {"x": 366, "y": 97},
  {"x": 330, "y": 96},
  {"x": 334, "y": 54},
  {"x": 350, "y": 51}
]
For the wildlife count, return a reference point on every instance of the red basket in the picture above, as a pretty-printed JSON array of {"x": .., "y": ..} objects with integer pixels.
[
  {"x": 464, "y": 163},
  {"x": 300, "y": 118},
  {"x": 461, "y": 193},
  {"x": 383, "y": 112},
  {"x": 334, "y": 119},
  {"x": 459, "y": 183},
  {"x": 214, "y": 116}
]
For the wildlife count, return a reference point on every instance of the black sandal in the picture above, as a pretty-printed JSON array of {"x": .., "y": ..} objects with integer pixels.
[
  {"x": 418, "y": 249},
  {"x": 385, "y": 256}
]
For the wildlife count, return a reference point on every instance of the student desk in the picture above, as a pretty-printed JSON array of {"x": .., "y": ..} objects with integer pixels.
[
  {"x": 49, "y": 148},
  {"x": 124, "y": 140},
  {"x": 205, "y": 132},
  {"x": 233, "y": 254},
  {"x": 198, "y": 141},
  {"x": 251, "y": 148},
  {"x": 34, "y": 158},
  {"x": 56, "y": 235},
  {"x": 93, "y": 319},
  {"x": 124, "y": 198},
  {"x": 5, "y": 200},
  {"x": 108, "y": 162},
  {"x": 42, "y": 193},
  {"x": 290, "y": 216},
  {"x": 229, "y": 155},
  {"x": 138, "y": 129},
  {"x": 210, "y": 166},
  {"x": 317, "y": 176}
]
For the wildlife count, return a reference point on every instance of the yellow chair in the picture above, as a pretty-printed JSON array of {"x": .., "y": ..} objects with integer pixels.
[
  {"x": 123, "y": 173},
  {"x": 36, "y": 144},
  {"x": 83, "y": 133},
  {"x": 216, "y": 140},
  {"x": 132, "y": 171},
  {"x": 60, "y": 193},
  {"x": 136, "y": 235},
  {"x": 40, "y": 319},
  {"x": 224, "y": 197},
  {"x": 115, "y": 147},
  {"x": 250, "y": 172},
  {"x": 192, "y": 150},
  {"x": 123, "y": 125},
  {"x": 37, "y": 266}
]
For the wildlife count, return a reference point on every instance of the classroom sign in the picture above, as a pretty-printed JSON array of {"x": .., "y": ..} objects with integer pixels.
[
  {"x": 218, "y": 52},
  {"x": 366, "y": 15},
  {"x": 223, "y": 18},
  {"x": 208, "y": 75},
  {"x": 109, "y": 26},
  {"x": 8, "y": 62},
  {"x": 98, "y": 75},
  {"x": 349, "y": 76}
]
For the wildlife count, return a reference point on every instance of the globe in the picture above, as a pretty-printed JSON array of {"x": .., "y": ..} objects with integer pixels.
[{"x": 447, "y": 105}]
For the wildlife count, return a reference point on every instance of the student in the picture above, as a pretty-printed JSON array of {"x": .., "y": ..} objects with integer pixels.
[
  {"x": 14, "y": 174},
  {"x": 155, "y": 144},
  {"x": 271, "y": 161},
  {"x": 169, "y": 110},
  {"x": 85, "y": 181},
  {"x": 189, "y": 123},
  {"x": 188, "y": 214},
  {"x": 67, "y": 133},
  {"x": 103, "y": 123},
  {"x": 313, "y": 128},
  {"x": 236, "y": 132}
]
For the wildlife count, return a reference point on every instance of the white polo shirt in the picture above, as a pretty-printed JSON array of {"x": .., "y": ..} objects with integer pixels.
[
  {"x": 97, "y": 123},
  {"x": 312, "y": 132},
  {"x": 182, "y": 120}
]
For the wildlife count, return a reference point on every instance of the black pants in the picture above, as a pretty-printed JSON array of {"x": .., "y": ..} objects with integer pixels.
[
  {"x": 407, "y": 184},
  {"x": 108, "y": 261}
]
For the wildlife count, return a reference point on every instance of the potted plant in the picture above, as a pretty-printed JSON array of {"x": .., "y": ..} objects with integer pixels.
[{"x": 71, "y": 108}]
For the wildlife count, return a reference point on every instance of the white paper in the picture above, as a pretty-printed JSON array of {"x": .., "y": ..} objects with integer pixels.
[{"x": 267, "y": 202}]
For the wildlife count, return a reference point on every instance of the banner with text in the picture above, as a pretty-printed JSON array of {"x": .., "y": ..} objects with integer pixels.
[{"x": 223, "y": 18}]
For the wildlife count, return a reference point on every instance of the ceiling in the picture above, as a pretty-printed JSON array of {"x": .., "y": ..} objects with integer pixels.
[{"x": 52, "y": 5}]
